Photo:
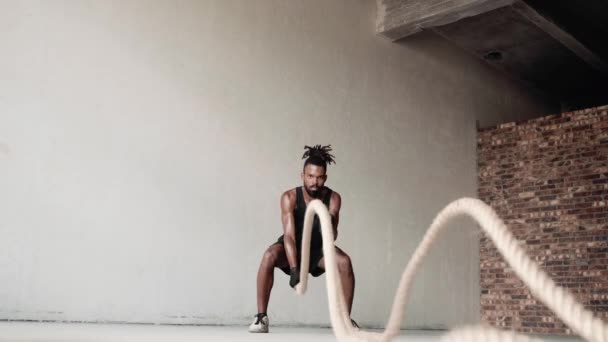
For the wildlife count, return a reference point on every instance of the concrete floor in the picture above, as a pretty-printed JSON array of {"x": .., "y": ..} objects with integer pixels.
[{"x": 61, "y": 332}]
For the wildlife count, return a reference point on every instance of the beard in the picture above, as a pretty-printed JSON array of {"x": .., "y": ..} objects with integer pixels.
[{"x": 314, "y": 193}]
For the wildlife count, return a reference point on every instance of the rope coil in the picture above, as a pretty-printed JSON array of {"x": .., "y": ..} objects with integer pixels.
[{"x": 557, "y": 299}]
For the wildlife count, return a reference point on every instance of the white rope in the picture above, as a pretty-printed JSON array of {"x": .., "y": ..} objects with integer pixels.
[{"x": 560, "y": 301}]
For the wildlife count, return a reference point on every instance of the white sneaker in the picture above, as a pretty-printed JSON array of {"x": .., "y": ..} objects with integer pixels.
[
  {"x": 260, "y": 324},
  {"x": 355, "y": 325}
]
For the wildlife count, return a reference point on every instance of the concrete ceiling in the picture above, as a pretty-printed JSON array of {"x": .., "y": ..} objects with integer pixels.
[{"x": 555, "y": 46}]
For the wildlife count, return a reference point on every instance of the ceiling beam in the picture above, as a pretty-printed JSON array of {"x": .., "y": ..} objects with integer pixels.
[
  {"x": 397, "y": 19},
  {"x": 561, "y": 36}
]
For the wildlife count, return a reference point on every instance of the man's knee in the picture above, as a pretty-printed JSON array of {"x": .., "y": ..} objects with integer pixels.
[
  {"x": 270, "y": 258},
  {"x": 344, "y": 264}
]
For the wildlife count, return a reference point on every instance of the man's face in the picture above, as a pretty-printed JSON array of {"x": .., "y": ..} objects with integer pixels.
[{"x": 314, "y": 178}]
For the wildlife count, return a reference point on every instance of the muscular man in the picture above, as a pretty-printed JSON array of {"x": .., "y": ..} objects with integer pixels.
[{"x": 285, "y": 253}]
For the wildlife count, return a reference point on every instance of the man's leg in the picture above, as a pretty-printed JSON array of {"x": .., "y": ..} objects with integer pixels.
[
  {"x": 347, "y": 276},
  {"x": 273, "y": 257}
]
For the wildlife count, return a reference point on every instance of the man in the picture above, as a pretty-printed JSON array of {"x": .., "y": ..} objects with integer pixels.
[{"x": 285, "y": 253}]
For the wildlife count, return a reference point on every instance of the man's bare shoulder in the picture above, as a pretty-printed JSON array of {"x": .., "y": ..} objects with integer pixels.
[
  {"x": 336, "y": 196},
  {"x": 289, "y": 195}
]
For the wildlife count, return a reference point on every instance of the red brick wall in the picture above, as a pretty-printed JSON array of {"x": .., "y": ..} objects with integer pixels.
[{"x": 548, "y": 179}]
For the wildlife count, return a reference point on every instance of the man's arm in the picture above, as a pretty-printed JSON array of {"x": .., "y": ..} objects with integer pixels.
[
  {"x": 334, "y": 211},
  {"x": 288, "y": 204}
]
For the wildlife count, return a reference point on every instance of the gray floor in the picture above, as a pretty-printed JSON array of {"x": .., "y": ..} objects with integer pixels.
[{"x": 60, "y": 332}]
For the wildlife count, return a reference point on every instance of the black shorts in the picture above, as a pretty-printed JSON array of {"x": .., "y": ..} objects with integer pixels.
[{"x": 315, "y": 256}]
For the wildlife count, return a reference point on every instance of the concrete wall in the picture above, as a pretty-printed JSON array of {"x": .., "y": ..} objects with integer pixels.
[{"x": 144, "y": 146}]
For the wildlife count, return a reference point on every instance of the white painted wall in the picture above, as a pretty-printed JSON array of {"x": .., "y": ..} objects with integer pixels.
[{"x": 144, "y": 146}]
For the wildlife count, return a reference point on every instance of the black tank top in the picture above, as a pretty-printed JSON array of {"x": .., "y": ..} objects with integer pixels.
[{"x": 316, "y": 241}]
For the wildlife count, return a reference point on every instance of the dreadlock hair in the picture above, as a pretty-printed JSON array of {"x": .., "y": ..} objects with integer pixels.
[{"x": 318, "y": 155}]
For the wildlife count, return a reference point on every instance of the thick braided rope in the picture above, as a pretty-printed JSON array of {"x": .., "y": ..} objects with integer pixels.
[{"x": 572, "y": 313}]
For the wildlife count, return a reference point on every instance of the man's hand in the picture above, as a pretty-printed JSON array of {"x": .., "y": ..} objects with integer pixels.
[{"x": 294, "y": 276}]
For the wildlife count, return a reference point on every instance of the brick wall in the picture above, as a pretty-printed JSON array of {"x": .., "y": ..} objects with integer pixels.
[{"x": 548, "y": 179}]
